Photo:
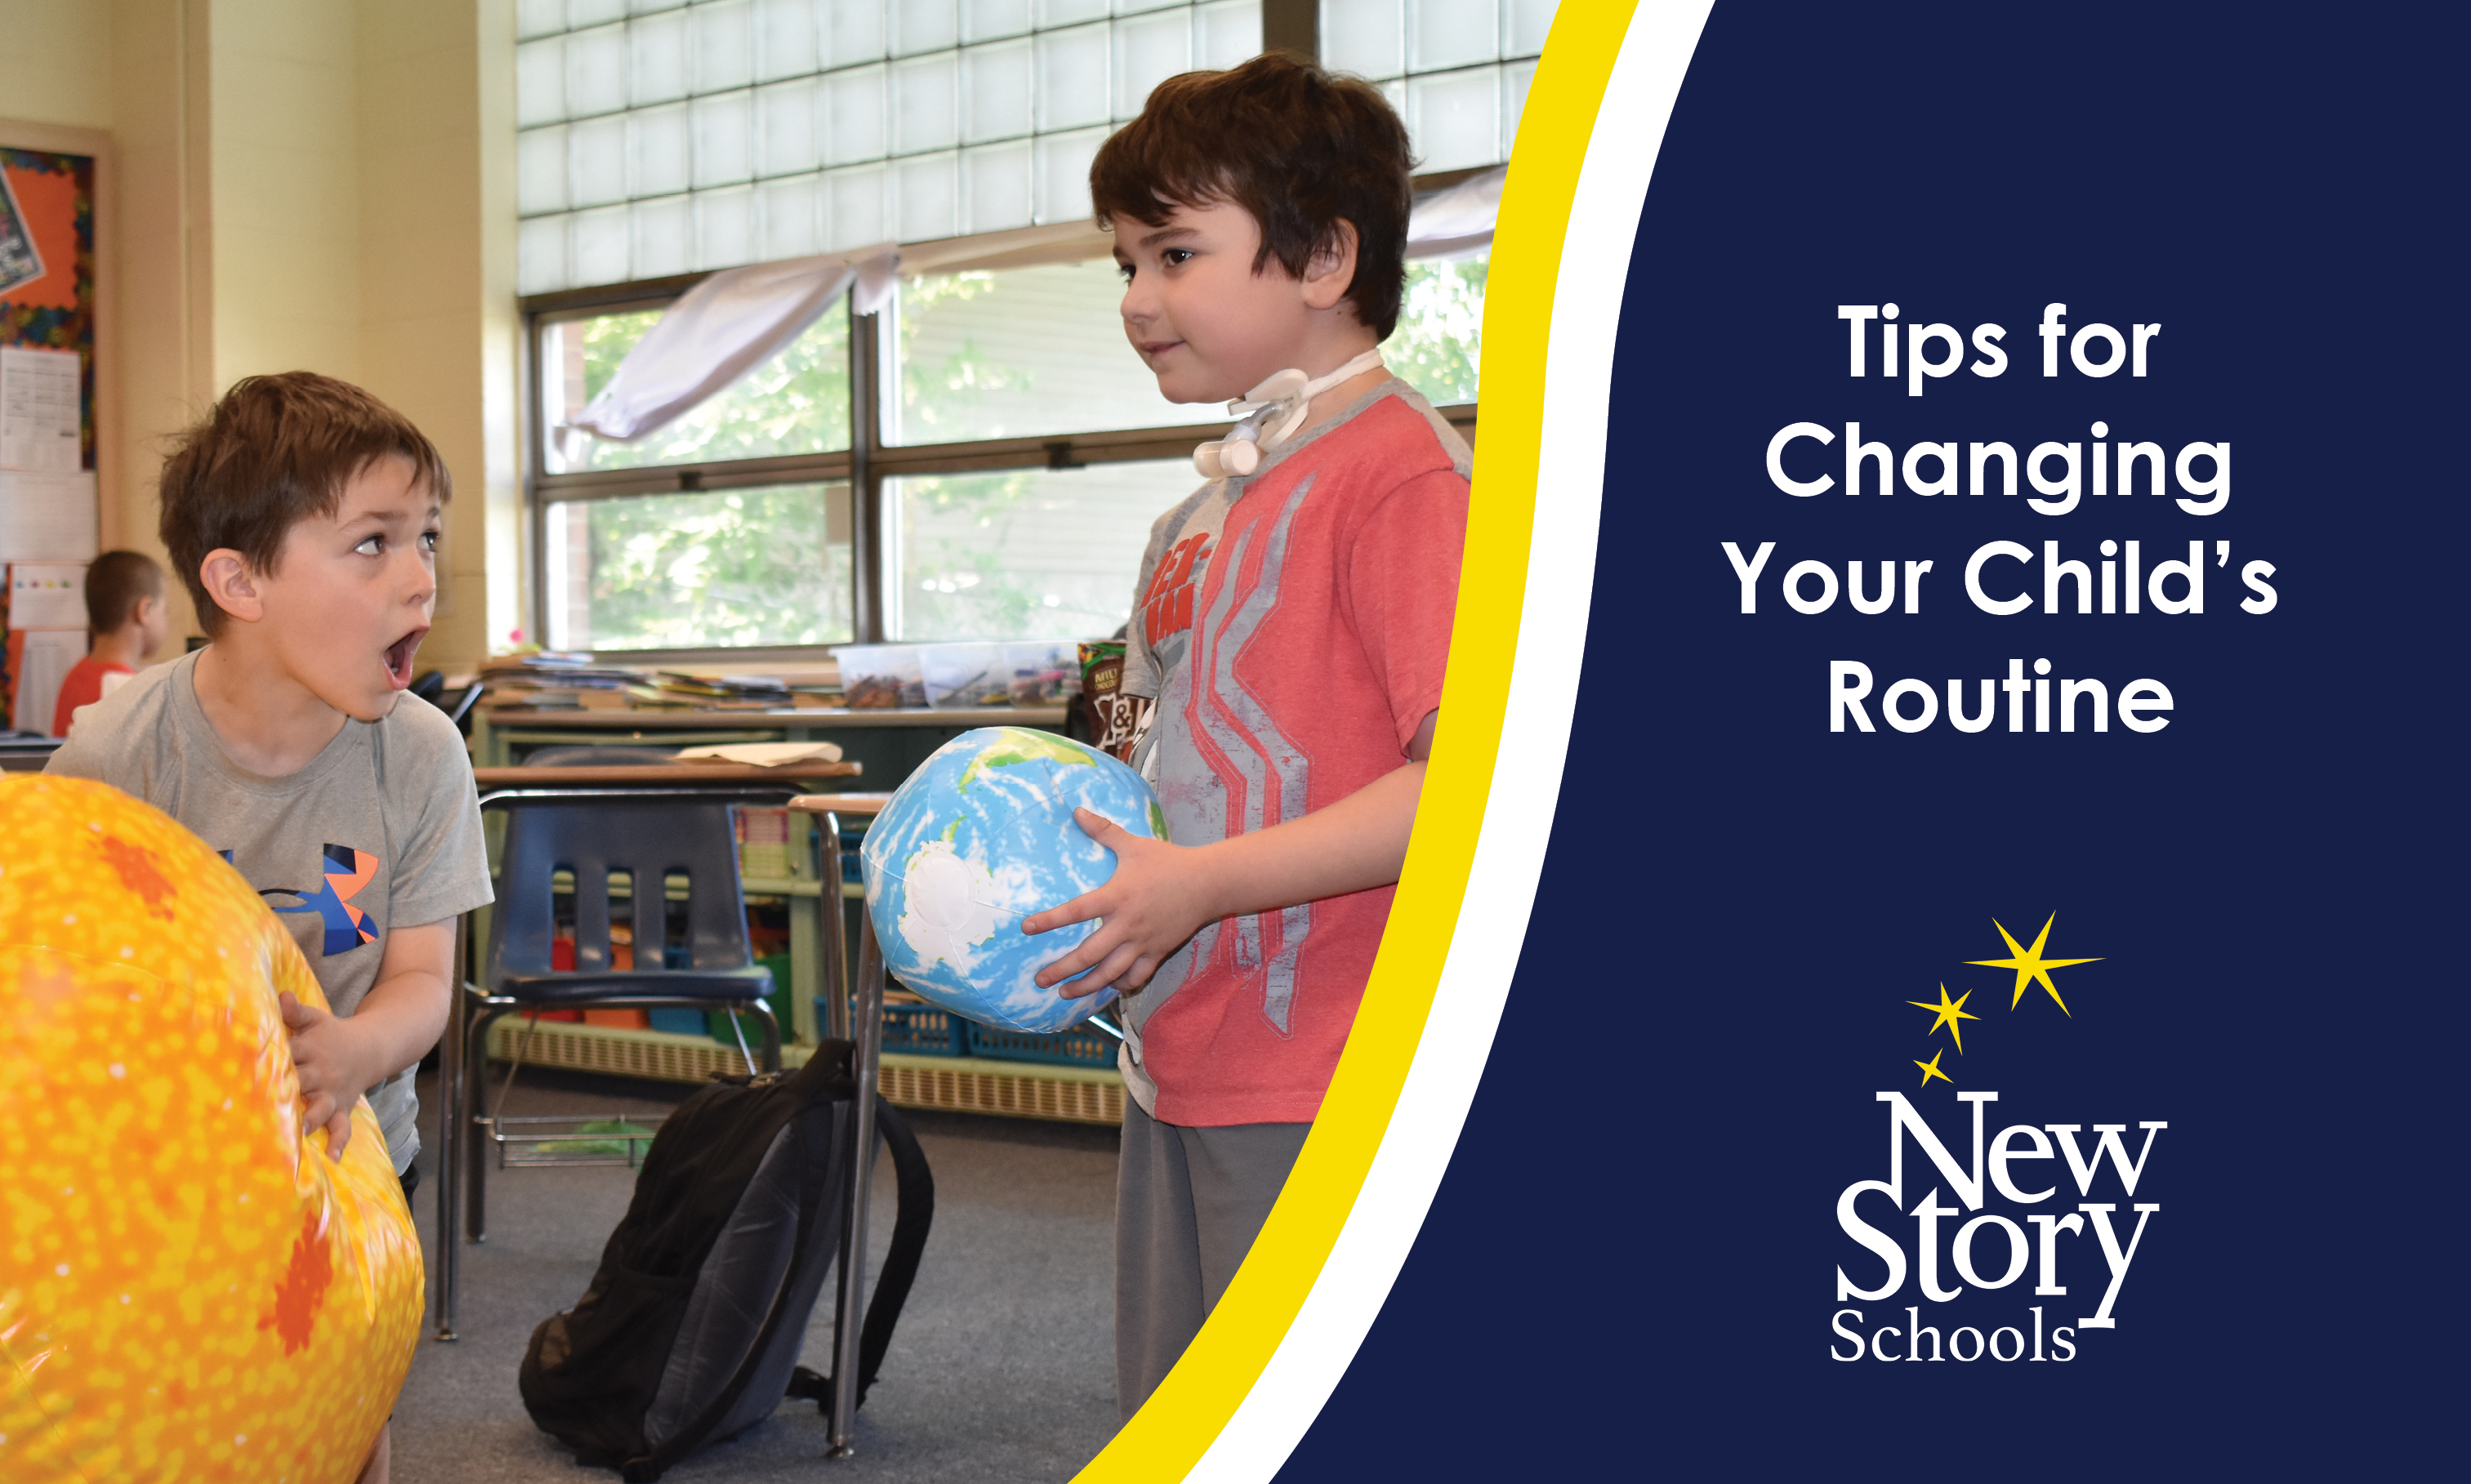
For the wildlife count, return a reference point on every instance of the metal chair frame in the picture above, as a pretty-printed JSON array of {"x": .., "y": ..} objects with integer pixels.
[{"x": 463, "y": 1053}]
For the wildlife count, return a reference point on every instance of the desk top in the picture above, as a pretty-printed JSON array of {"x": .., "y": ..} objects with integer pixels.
[
  {"x": 961, "y": 717},
  {"x": 684, "y": 775},
  {"x": 856, "y": 804}
]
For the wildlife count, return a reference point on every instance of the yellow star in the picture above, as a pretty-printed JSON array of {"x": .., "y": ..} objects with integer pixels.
[
  {"x": 1948, "y": 1016},
  {"x": 1930, "y": 1069},
  {"x": 2031, "y": 966}
]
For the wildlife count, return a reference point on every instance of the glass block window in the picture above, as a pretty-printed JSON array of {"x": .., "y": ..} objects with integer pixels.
[
  {"x": 1456, "y": 70},
  {"x": 713, "y": 569},
  {"x": 659, "y": 137}
]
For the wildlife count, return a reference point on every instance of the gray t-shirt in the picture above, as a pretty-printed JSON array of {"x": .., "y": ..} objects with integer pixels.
[{"x": 379, "y": 831}]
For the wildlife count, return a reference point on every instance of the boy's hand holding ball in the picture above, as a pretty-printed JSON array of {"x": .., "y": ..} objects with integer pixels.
[
  {"x": 1159, "y": 896},
  {"x": 334, "y": 1068}
]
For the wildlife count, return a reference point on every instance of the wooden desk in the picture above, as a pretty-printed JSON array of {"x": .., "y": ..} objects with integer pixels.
[
  {"x": 862, "y": 806},
  {"x": 893, "y": 740},
  {"x": 661, "y": 775}
]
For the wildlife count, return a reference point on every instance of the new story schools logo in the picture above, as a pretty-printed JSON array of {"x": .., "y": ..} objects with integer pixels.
[{"x": 2068, "y": 1251}]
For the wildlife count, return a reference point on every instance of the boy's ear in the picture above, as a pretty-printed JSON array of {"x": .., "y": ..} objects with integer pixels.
[
  {"x": 1331, "y": 271},
  {"x": 232, "y": 585}
]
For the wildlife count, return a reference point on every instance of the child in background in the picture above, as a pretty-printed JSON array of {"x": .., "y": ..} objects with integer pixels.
[
  {"x": 1291, "y": 623},
  {"x": 303, "y": 516},
  {"x": 128, "y": 620}
]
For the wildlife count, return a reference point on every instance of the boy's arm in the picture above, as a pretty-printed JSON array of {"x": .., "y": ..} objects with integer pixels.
[
  {"x": 401, "y": 1018},
  {"x": 1162, "y": 894}
]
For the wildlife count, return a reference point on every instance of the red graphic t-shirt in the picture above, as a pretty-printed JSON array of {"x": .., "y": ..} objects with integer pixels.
[{"x": 1294, "y": 627}]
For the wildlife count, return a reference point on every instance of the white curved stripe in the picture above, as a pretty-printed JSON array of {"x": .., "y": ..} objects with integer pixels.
[{"x": 1534, "y": 740}]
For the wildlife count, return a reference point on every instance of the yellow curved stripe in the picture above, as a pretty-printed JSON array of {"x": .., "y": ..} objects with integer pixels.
[{"x": 1181, "y": 1420}]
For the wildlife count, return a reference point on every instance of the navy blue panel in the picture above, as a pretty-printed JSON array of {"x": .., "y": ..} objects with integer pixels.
[{"x": 1632, "y": 1266}]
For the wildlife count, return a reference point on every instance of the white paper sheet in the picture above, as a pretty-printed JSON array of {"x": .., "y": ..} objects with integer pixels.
[
  {"x": 47, "y": 517},
  {"x": 47, "y": 595},
  {"x": 49, "y": 657},
  {"x": 763, "y": 754},
  {"x": 39, "y": 417}
]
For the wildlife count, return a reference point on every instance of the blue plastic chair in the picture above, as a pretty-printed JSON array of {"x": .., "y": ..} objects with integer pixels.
[{"x": 651, "y": 836}]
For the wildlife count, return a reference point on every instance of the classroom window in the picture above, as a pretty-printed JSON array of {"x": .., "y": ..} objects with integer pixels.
[
  {"x": 1006, "y": 355},
  {"x": 684, "y": 138},
  {"x": 1439, "y": 342},
  {"x": 1023, "y": 554},
  {"x": 762, "y": 566},
  {"x": 797, "y": 403},
  {"x": 1456, "y": 70},
  {"x": 984, "y": 457}
]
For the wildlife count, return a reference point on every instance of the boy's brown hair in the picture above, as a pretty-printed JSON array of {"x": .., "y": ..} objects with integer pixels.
[
  {"x": 1300, "y": 149},
  {"x": 276, "y": 451},
  {"x": 115, "y": 583}
]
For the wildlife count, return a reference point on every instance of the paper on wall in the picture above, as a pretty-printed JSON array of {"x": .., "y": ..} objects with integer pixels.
[
  {"x": 41, "y": 661},
  {"x": 41, "y": 410},
  {"x": 47, "y": 595},
  {"x": 47, "y": 517}
]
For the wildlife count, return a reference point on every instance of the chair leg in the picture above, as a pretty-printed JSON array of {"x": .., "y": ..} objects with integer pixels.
[
  {"x": 449, "y": 1146},
  {"x": 771, "y": 1025},
  {"x": 476, "y": 1075}
]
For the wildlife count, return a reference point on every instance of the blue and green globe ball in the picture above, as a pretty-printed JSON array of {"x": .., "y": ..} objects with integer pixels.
[{"x": 980, "y": 836}]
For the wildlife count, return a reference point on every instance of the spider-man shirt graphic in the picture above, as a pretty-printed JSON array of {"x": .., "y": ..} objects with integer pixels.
[{"x": 347, "y": 871}]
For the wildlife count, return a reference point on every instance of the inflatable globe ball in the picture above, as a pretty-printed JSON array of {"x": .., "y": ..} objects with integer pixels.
[
  {"x": 189, "y": 1288},
  {"x": 980, "y": 836}
]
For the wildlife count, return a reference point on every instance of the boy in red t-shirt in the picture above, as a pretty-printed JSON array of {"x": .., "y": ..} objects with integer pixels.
[
  {"x": 128, "y": 620},
  {"x": 1291, "y": 624}
]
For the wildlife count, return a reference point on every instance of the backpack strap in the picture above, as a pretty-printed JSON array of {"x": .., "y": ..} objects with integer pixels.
[{"x": 915, "y": 1188}]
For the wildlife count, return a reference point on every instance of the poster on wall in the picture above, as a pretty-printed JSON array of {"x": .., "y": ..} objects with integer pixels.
[
  {"x": 1954, "y": 971},
  {"x": 47, "y": 300},
  {"x": 48, "y": 508}
]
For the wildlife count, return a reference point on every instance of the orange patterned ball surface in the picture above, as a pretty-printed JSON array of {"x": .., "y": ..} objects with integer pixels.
[{"x": 189, "y": 1288}]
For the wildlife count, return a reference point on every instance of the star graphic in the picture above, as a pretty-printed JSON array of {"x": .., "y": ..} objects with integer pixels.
[
  {"x": 2031, "y": 967},
  {"x": 1930, "y": 1069},
  {"x": 1948, "y": 1016}
]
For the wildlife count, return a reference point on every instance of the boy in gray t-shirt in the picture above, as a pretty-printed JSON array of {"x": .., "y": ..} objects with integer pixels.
[{"x": 303, "y": 514}]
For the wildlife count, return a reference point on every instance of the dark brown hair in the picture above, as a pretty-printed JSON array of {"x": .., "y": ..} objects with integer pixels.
[
  {"x": 276, "y": 451},
  {"x": 114, "y": 583},
  {"x": 1299, "y": 148}
]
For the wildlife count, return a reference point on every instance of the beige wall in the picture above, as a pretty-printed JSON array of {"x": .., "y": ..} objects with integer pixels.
[
  {"x": 55, "y": 61},
  {"x": 303, "y": 184}
]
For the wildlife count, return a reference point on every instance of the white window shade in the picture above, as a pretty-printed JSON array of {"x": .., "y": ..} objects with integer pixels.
[{"x": 660, "y": 137}]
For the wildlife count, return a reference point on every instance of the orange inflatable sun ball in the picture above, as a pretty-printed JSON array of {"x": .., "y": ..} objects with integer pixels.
[{"x": 189, "y": 1288}]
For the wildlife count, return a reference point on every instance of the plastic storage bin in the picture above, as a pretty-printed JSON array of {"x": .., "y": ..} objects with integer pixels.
[
  {"x": 963, "y": 675},
  {"x": 915, "y": 1029},
  {"x": 1043, "y": 671},
  {"x": 879, "y": 675},
  {"x": 1083, "y": 1045}
]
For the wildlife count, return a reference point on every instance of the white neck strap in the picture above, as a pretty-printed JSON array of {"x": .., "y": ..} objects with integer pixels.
[{"x": 1271, "y": 413}]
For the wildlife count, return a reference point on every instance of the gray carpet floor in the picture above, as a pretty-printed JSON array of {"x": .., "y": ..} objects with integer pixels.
[{"x": 1002, "y": 1367}]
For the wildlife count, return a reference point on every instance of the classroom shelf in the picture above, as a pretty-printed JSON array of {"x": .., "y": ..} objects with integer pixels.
[{"x": 963, "y": 1084}]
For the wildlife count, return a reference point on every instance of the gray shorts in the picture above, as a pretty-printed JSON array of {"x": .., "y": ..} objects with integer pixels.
[{"x": 1188, "y": 1203}]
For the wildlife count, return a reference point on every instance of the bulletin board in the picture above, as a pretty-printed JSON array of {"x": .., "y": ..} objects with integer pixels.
[
  {"x": 49, "y": 514},
  {"x": 47, "y": 304}
]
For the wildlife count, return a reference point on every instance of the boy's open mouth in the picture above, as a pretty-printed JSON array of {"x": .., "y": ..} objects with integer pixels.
[{"x": 398, "y": 658}]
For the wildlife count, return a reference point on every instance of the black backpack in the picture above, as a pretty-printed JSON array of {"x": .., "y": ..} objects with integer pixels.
[{"x": 691, "y": 1329}]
